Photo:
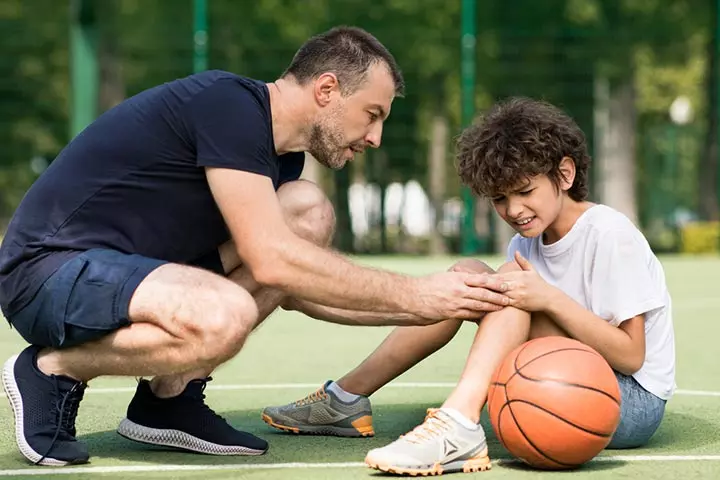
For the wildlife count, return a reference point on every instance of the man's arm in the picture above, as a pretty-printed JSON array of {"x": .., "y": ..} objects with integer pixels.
[
  {"x": 351, "y": 317},
  {"x": 278, "y": 258}
]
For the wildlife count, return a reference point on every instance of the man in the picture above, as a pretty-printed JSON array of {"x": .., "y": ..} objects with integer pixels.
[{"x": 174, "y": 224}]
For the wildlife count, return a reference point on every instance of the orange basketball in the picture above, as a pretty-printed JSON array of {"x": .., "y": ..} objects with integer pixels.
[{"x": 554, "y": 403}]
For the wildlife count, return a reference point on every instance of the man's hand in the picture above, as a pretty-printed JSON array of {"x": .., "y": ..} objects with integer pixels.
[
  {"x": 458, "y": 295},
  {"x": 526, "y": 288}
]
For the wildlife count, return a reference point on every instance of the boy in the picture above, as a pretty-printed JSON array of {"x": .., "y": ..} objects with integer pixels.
[{"x": 574, "y": 268}]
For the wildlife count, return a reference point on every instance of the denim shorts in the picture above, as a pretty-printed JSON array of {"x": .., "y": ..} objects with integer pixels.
[
  {"x": 640, "y": 414},
  {"x": 86, "y": 298}
]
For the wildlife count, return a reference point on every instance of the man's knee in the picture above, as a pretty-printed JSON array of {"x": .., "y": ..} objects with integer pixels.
[
  {"x": 308, "y": 211},
  {"x": 208, "y": 317},
  {"x": 222, "y": 330}
]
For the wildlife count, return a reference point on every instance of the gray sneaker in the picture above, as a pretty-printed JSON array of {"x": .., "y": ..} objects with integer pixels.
[
  {"x": 322, "y": 413},
  {"x": 438, "y": 445}
]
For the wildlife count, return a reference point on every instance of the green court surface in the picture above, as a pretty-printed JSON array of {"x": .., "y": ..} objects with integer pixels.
[{"x": 291, "y": 355}]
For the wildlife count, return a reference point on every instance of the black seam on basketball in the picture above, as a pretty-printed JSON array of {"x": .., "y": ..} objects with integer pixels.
[
  {"x": 515, "y": 363},
  {"x": 567, "y": 384},
  {"x": 522, "y": 432},
  {"x": 571, "y": 349},
  {"x": 586, "y": 430},
  {"x": 499, "y": 427}
]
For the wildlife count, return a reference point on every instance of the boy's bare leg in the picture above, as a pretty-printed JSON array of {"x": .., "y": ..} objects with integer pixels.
[
  {"x": 404, "y": 347},
  {"x": 400, "y": 351},
  {"x": 450, "y": 438}
]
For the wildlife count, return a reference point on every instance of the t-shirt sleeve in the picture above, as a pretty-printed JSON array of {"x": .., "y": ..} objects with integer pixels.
[
  {"x": 230, "y": 128},
  {"x": 621, "y": 281},
  {"x": 514, "y": 245},
  {"x": 291, "y": 167}
]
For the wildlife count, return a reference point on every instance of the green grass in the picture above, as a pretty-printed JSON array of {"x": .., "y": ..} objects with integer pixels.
[{"x": 290, "y": 348}]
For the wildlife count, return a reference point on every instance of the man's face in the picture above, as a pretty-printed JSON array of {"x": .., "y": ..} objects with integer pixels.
[{"x": 348, "y": 125}]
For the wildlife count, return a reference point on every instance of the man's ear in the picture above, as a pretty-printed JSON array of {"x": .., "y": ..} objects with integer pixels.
[{"x": 324, "y": 86}]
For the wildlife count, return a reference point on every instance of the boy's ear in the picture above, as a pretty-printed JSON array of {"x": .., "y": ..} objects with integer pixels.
[{"x": 567, "y": 173}]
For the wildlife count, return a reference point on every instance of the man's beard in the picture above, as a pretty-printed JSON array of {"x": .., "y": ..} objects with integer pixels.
[{"x": 326, "y": 145}]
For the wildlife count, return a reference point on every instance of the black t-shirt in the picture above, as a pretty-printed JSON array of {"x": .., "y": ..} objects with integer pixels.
[{"x": 134, "y": 180}]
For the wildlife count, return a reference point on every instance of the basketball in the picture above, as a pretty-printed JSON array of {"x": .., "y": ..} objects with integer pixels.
[{"x": 554, "y": 403}]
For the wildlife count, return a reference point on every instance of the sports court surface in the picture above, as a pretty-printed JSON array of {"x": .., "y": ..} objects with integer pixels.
[{"x": 291, "y": 355}]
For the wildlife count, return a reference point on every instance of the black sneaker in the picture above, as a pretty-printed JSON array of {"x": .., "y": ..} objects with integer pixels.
[
  {"x": 185, "y": 422},
  {"x": 45, "y": 408}
]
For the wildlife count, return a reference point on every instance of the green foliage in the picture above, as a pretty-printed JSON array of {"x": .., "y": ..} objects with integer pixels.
[{"x": 553, "y": 49}]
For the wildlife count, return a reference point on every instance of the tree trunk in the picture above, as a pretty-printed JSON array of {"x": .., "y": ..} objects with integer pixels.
[
  {"x": 708, "y": 168},
  {"x": 112, "y": 82},
  {"x": 616, "y": 150},
  {"x": 437, "y": 168}
]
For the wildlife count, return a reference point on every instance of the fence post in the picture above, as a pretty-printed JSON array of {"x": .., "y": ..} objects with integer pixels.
[{"x": 84, "y": 70}]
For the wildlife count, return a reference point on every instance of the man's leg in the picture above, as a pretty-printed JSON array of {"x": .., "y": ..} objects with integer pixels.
[
  {"x": 347, "y": 409},
  {"x": 176, "y": 319},
  {"x": 310, "y": 215}
]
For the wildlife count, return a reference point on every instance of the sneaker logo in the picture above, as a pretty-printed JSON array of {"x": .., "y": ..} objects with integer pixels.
[{"x": 449, "y": 448}]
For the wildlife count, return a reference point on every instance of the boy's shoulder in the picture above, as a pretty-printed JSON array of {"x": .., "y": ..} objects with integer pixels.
[
  {"x": 599, "y": 224},
  {"x": 602, "y": 221}
]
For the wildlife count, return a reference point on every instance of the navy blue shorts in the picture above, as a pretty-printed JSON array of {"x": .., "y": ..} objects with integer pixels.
[{"x": 86, "y": 298}]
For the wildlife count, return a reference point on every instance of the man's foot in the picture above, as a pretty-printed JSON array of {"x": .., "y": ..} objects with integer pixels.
[
  {"x": 45, "y": 407},
  {"x": 185, "y": 422},
  {"x": 439, "y": 445},
  {"x": 323, "y": 413}
]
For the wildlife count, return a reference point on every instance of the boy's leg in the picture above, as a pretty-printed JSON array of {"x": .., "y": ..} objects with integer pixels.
[
  {"x": 323, "y": 412},
  {"x": 451, "y": 438}
]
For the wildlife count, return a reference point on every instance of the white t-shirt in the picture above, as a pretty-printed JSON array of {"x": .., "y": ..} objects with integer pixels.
[{"x": 606, "y": 265}]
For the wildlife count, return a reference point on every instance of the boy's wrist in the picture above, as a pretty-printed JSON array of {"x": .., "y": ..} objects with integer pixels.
[{"x": 553, "y": 301}]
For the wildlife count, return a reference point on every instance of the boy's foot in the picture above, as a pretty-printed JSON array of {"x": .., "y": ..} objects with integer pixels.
[
  {"x": 45, "y": 407},
  {"x": 323, "y": 413},
  {"x": 185, "y": 422},
  {"x": 439, "y": 445}
]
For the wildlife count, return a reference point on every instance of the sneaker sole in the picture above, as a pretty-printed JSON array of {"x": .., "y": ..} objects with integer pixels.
[
  {"x": 478, "y": 463},
  {"x": 178, "y": 439},
  {"x": 363, "y": 428},
  {"x": 13, "y": 394}
]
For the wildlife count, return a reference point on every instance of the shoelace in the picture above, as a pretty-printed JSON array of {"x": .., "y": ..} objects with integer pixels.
[
  {"x": 433, "y": 426},
  {"x": 67, "y": 409},
  {"x": 201, "y": 397},
  {"x": 314, "y": 397}
]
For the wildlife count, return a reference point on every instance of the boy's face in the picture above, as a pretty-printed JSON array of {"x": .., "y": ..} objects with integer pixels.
[
  {"x": 531, "y": 207},
  {"x": 534, "y": 205}
]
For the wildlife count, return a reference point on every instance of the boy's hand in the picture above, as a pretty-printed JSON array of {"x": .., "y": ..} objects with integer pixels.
[{"x": 526, "y": 288}]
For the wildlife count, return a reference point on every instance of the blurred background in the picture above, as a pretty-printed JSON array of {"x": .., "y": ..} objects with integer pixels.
[{"x": 639, "y": 76}]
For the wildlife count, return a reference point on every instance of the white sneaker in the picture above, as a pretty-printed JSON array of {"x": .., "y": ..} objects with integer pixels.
[{"x": 439, "y": 445}]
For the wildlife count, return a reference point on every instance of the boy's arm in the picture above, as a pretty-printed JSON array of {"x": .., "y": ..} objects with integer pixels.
[{"x": 623, "y": 347}]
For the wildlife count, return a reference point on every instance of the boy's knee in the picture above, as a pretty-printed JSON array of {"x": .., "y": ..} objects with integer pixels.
[
  {"x": 471, "y": 265},
  {"x": 308, "y": 211},
  {"x": 541, "y": 325}
]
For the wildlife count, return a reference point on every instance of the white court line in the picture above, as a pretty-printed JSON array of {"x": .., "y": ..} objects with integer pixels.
[{"x": 30, "y": 471}]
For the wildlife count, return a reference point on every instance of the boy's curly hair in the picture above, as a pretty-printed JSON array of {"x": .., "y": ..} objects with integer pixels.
[{"x": 519, "y": 139}]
